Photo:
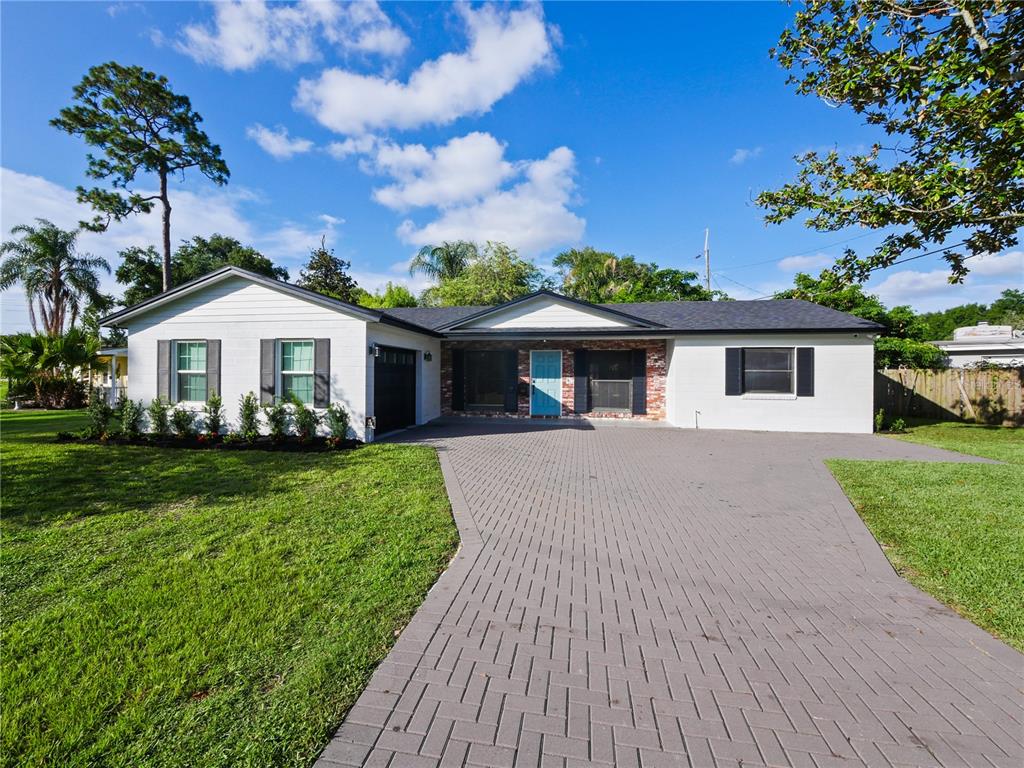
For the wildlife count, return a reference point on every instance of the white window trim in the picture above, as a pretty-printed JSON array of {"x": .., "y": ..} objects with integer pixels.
[
  {"x": 790, "y": 395},
  {"x": 280, "y": 372},
  {"x": 177, "y": 372}
]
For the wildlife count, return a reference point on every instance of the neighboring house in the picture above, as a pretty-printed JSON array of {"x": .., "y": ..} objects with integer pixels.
[
  {"x": 983, "y": 343},
  {"x": 761, "y": 365},
  {"x": 109, "y": 374}
]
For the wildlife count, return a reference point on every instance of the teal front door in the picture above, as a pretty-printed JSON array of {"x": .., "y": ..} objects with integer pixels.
[{"x": 546, "y": 383}]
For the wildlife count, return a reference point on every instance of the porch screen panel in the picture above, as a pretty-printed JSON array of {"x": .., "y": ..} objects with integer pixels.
[
  {"x": 485, "y": 379},
  {"x": 611, "y": 380}
]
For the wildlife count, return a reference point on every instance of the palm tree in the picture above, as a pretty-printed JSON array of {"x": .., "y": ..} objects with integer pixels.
[
  {"x": 55, "y": 276},
  {"x": 445, "y": 261}
]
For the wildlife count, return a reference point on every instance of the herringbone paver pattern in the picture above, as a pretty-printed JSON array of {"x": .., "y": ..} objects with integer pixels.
[{"x": 648, "y": 597}]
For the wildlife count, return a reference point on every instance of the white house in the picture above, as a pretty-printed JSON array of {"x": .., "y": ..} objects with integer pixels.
[
  {"x": 983, "y": 343},
  {"x": 759, "y": 365}
]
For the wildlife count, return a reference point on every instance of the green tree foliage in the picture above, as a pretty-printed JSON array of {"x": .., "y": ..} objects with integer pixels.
[
  {"x": 394, "y": 295},
  {"x": 48, "y": 365},
  {"x": 141, "y": 268},
  {"x": 1008, "y": 309},
  {"x": 444, "y": 262},
  {"x": 327, "y": 274},
  {"x": 141, "y": 126},
  {"x": 601, "y": 276},
  {"x": 944, "y": 81},
  {"x": 496, "y": 275},
  {"x": 902, "y": 342},
  {"x": 57, "y": 279}
]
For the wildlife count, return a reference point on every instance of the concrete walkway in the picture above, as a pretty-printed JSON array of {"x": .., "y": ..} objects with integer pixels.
[{"x": 649, "y": 597}]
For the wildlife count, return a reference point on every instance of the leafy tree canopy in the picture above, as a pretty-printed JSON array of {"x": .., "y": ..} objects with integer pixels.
[
  {"x": 141, "y": 126},
  {"x": 1008, "y": 309},
  {"x": 496, "y": 275},
  {"x": 601, "y": 277},
  {"x": 140, "y": 268},
  {"x": 57, "y": 279},
  {"x": 394, "y": 295},
  {"x": 326, "y": 273},
  {"x": 944, "y": 81}
]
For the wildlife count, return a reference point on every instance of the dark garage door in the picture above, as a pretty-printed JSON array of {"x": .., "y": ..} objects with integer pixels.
[{"x": 394, "y": 388}]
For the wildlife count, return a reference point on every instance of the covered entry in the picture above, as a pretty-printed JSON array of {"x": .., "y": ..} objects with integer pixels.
[{"x": 394, "y": 388}]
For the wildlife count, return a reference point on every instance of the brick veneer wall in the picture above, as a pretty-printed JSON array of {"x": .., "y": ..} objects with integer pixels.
[{"x": 656, "y": 370}]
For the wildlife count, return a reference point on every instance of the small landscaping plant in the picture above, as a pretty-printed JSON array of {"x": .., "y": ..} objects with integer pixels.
[
  {"x": 214, "y": 411},
  {"x": 898, "y": 425},
  {"x": 337, "y": 423},
  {"x": 159, "y": 423},
  {"x": 184, "y": 421},
  {"x": 99, "y": 414},
  {"x": 306, "y": 420},
  {"x": 880, "y": 420},
  {"x": 249, "y": 418},
  {"x": 277, "y": 419},
  {"x": 129, "y": 414}
]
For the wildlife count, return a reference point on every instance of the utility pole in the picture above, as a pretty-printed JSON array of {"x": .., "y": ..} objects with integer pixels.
[{"x": 707, "y": 260}]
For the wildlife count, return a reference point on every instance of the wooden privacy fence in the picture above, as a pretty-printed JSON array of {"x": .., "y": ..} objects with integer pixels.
[{"x": 986, "y": 396}]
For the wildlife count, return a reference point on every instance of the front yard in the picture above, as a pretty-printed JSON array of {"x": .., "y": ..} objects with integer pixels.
[
  {"x": 174, "y": 607},
  {"x": 954, "y": 530}
]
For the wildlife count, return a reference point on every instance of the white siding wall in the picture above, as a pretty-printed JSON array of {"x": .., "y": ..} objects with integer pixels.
[
  {"x": 546, "y": 312},
  {"x": 240, "y": 313},
  {"x": 843, "y": 385},
  {"x": 428, "y": 374}
]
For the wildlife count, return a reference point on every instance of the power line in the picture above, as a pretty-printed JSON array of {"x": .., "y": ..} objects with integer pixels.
[{"x": 792, "y": 255}]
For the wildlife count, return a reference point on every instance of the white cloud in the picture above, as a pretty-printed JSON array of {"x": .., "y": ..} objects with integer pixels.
[
  {"x": 803, "y": 263},
  {"x": 276, "y": 142},
  {"x": 741, "y": 155},
  {"x": 532, "y": 215},
  {"x": 357, "y": 145},
  {"x": 246, "y": 33},
  {"x": 23, "y": 198},
  {"x": 461, "y": 170},
  {"x": 505, "y": 47},
  {"x": 931, "y": 290}
]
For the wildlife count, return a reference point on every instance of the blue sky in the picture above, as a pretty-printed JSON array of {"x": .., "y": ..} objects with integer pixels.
[{"x": 629, "y": 127}]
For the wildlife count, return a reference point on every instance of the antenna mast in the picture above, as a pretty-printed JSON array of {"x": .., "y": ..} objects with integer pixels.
[{"x": 707, "y": 260}]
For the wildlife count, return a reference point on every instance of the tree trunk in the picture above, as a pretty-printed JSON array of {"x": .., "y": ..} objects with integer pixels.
[{"x": 167, "y": 229}]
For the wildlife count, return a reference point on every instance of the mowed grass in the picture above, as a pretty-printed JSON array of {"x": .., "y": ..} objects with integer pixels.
[
  {"x": 168, "y": 607},
  {"x": 954, "y": 530}
]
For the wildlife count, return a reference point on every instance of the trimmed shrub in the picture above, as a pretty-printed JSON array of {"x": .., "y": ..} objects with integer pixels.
[
  {"x": 306, "y": 420},
  {"x": 249, "y": 418},
  {"x": 214, "y": 411},
  {"x": 277, "y": 419},
  {"x": 99, "y": 414},
  {"x": 184, "y": 421},
  {"x": 129, "y": 414},
  {"x": 159, "y": 423},
  {"x": 337, "y": 421}
]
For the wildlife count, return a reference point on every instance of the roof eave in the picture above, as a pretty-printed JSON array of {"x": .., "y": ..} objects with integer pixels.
[{"x": 637, "y": 321}]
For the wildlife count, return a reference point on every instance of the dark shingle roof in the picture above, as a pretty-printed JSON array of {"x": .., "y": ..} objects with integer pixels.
[
  {"x": 762, "y": 315},
  {"x": 432, "y": 317},
  {"x": 688, "y": 316}
]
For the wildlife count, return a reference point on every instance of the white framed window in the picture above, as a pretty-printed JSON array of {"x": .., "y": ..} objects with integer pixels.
[
  {"x": 768, "y": 370},
  {"x": 190, "y": 366},
  {"x": 295, "y": 377}
]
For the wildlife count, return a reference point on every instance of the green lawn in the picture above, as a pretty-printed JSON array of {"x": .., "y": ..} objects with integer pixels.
[
  {"x": 954, "y": 530},
  {"x": 174, "y": 607}
]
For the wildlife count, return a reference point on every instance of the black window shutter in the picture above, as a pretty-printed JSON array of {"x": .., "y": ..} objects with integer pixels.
[
  {"x": 581, "y": 382},
  {"x": 639, "y": 382},
  {"x": 805, "y": 371},
  {"x": 212, "y": 367},
  {"x": 458, "y": 380},
  {"x": 163, "y": 370},
  {"x": 268, "y": 371},
  {"x": 733, "y": 371},
  {"x": 511, "y": 380},
  {"x": 321, "y": 373}
]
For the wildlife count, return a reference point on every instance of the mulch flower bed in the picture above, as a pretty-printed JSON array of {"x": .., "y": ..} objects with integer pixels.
[{"x": 219, "y": 442}]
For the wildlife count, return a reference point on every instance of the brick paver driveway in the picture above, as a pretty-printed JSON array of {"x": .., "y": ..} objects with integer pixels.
[{"x": 652, "y": 596}]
